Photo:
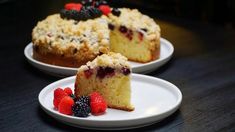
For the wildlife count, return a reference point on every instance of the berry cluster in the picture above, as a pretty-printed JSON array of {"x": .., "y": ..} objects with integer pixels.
[
  {"x": 66, "y": 103},
  {"x": 87, "y": 9}
]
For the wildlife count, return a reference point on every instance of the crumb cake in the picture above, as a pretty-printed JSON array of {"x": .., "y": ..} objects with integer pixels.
[
  {"x": 109, "y": 75},
  {"x": 83, "y": 31}
]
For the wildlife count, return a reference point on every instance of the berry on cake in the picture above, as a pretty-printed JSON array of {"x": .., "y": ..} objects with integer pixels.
[{"x": 82, "y": 31}]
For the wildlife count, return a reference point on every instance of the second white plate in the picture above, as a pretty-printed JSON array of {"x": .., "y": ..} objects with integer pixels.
[
  {"x": 154, "y": 99},
  {"x": 166, "y": 52}
]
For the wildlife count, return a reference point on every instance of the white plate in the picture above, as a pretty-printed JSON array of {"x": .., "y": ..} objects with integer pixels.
[
  {"x": 166, "y": 52},
  {"x": 154, "y": 99}
]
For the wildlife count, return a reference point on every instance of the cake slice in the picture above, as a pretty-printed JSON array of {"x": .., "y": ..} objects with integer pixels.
[
  {"x": 108, "y": 74},
  {"x": 134, "y": 35}
]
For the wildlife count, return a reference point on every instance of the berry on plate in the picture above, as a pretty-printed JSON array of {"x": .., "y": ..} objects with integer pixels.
[
  {"x": 65, "y": 105},
  {"x": 97, "y": 103},
  {"x": 84, "y": 99},
  {"x": 68, "y": 90},
  {"x": 81, "y": 109},
  {"x": 59, "y": 94}
]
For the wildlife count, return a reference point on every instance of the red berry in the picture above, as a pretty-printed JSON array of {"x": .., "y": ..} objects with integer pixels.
[
  {"x": 58, "y": 95},
  {"x": 68, "y": 91},
  {"x": 65, "y": 105},
  {"x": 105, "y": 9},
  {"x": 73, "y": 6},
  {"x": 97, "y": 103}
]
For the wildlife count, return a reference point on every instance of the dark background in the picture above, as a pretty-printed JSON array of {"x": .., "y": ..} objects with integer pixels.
[{"x": 219, "y": 12}]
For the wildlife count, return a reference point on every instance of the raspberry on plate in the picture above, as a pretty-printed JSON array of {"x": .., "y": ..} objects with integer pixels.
[
  {"x": 68, "y": 91},
  {"x": 65, "y": 105},
  {"x": 59, "y": 94},
  {"x": 97, "y": 103}
]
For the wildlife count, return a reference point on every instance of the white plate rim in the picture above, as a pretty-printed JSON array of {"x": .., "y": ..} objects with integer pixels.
[
  {"x": 163, "y": 114},
  {"x": 142, "y": 68}
]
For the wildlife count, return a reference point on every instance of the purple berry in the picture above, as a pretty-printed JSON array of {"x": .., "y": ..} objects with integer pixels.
[
  {"x": 123, "y": 29},
  {"x": 125, "y": 71},
  {"x": 111, "y": 26}
]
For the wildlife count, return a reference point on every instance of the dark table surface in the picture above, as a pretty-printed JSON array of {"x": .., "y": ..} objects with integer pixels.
[{"x": 203, "y": 67}]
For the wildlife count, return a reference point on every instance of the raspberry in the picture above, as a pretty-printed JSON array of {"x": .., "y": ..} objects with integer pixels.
[
  {"x": 65, "y": 105},
  {"x": 68, "y": 91},
  {"x": 59, "y": 94},
  {"x": 73, "y": 6},
  {"x": 97, "y": 103},
  {"x": 81, "y": 109},
  {"x": 105, "y": 9}
]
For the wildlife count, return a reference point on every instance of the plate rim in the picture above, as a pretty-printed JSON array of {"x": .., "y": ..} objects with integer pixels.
[
  {"x": 165, "y": 114},
  {"x": 137, "y": 69}
]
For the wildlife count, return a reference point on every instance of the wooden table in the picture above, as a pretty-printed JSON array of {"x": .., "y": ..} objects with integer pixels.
[{"x": 203, "y": 67}]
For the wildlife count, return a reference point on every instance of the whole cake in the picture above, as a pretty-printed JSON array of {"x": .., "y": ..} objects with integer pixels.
[
  {"x": 81, "y": 32},
  {"x": 109, "y": 75}
]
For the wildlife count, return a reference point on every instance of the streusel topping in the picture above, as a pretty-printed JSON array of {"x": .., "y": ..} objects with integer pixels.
[
  {"x": 62, "y": 34},
  {"x": 113, "y": 60}
]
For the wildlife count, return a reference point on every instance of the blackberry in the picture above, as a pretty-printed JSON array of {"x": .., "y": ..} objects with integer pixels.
[
  {"x": 64, "y": 13},
  {"x": 83, "y": 14},
  {"x": 103, "y": 2},
  {"x": 94, "y": 12},
  {"x": 84, "y": 99},
  {"x": 81, "y": 109},
  {"x": 116, "y": 12},
  {"x": 87, "y": 2},
  {"x": 97, "y": 4},
  {"x": 74, "y": 14},
  {"x": 100, "y": 2}
]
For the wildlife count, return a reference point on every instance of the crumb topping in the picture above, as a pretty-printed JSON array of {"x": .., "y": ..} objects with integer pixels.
[
  {"x": 113, "y": 60},
  {"x": 63, "y": 34}
]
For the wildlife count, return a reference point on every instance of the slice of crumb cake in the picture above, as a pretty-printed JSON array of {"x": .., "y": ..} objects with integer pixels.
[
  {"x": 134, "y": 35},
  {"x": 108, "y": 74}
]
